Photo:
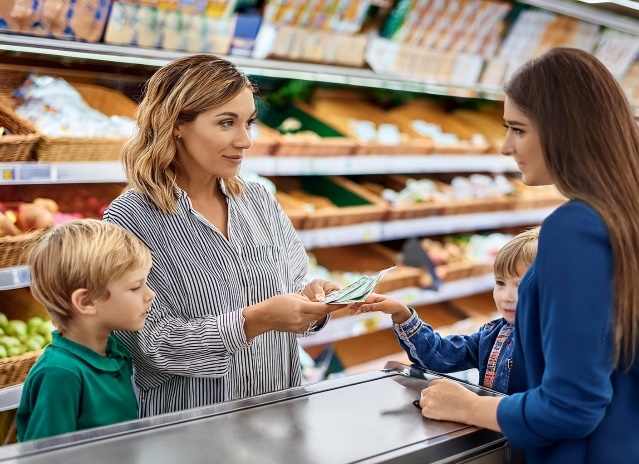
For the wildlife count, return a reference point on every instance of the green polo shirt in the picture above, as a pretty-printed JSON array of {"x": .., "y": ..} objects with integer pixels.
[{"x": 71, "y": 387}]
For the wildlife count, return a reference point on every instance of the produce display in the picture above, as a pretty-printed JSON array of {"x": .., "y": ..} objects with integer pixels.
[
  {"x": 40, "y": 214},
  {"x": 464, "y": 255},
  {"x": 57, "y": 109},
  {"x": 460, "y": 188},
  {"x": 18, "y": 337}
]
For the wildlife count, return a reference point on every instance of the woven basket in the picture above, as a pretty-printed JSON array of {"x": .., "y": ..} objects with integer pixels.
[
  {"x": 14, "y": 248},
  {"x": 291, "y": 145},
  {"x": 475, "y": 205},
  {"x": 20, "y": 143},
  {"x": 375, "y": 209},
  {"x": 293, "y": 208},
  {"x": 108, "y": 101},
  {"x": 266, "y": 144},
  {"x": 337, "y": 108},
  {"x": 14, "y": 370}
]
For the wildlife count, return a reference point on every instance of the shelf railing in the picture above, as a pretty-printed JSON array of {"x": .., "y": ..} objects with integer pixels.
[
  {"x": 588, "y": 13},
  {"x": 98, "y": 171},
  {"x": 139, "y": 56}
]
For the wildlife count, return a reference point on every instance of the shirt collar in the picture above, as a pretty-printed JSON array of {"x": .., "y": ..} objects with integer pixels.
[
  {"x": 107, "y": 363},
  {"x": 185, "y": 201}
]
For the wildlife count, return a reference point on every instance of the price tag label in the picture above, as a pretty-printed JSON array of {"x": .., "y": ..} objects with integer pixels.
[
  {"x": 21, "y": 276},
  {"x": 36, "y": 172},
  {"x": 8, "y": 174}
]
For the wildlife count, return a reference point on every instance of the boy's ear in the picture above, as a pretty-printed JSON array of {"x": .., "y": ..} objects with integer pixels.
[{"x": 82, "y": 302}]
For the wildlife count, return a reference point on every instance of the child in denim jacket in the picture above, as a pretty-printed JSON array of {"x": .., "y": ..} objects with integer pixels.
[{"x": 489, "y": 349}]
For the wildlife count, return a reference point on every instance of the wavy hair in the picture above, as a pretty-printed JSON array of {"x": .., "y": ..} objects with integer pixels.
[
  {"x": 176, "y": 94},
  {"x": 590, "y": 144}
]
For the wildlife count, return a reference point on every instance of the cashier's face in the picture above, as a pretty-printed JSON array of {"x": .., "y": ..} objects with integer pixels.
[
  {"x": 213, "y": 145},
  {"x": 522, "y": 142},
  {"x": 505, "y": 294}
]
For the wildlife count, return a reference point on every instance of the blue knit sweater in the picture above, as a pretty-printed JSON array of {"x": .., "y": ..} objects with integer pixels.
[{"x": 576, "y": 407}]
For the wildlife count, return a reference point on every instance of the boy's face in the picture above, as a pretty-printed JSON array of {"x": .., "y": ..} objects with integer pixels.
[
  {"x": 128, "y": 304},
  {"x": 505, "y": 294}
]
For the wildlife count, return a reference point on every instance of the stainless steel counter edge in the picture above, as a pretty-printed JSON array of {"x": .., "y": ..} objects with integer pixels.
[{"x": 86, "y": 436}]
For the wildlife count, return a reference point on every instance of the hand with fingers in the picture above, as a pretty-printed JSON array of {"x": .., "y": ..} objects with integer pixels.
[
  {"x": 377, "y": 302},
  {"x": 446, "y": 400},
  {"x": 285, "y": 313},
  {"x": 317, "y": 289}
]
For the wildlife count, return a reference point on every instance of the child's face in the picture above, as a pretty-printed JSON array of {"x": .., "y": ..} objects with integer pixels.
[
  {"x": 128, "y": 304},
  {"x": 505, "y": 294}
]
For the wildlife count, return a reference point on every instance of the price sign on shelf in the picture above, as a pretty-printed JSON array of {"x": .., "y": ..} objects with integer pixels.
[
  {"x": 21, "y": 276},
  {"x": 8, "y": 174}
]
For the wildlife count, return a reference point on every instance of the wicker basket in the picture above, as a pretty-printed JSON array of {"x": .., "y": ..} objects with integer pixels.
[
  {"x": 351, "y": 203},
  {"x": 14, "y": 248},
  {"x": 338, "y": 108},
  {"x": 14, "y": 370},
  {"x": 20, "y": 143},
  {"x": 419, "y": 210},
  {"x": 292, "y": 145},
  {"x": 108, "y": 101},
  {"x": 266, "y": 144},
  {"x": 54, "y": 149},
  {"x": 293, "y": 208}
]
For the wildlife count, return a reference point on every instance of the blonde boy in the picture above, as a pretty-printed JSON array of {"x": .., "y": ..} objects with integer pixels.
[
  {"x": 91, "y": 278},
  {"x": 489, "y": 349}
]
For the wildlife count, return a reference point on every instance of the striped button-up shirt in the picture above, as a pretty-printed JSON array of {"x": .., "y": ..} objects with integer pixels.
[{"x": 193, "y": 350}]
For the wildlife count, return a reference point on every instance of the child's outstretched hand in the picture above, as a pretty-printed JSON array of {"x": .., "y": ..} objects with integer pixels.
[{"x": 376, "y": 302}]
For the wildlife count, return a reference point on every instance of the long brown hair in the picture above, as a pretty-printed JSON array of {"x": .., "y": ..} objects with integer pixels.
[
  {"x": 177, "y": 93},
  {"x": 590, "y": 143}
]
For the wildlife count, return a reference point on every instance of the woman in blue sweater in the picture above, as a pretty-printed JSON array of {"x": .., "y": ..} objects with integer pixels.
[{"x": 575, "y": 360}]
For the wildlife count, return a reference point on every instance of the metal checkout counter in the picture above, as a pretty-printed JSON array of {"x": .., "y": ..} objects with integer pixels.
[{"x": 366, "y": 418}]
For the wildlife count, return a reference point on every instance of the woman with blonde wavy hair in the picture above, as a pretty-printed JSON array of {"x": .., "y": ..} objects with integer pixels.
[
  {"x": 228, "y": 267},
  {"x": 576, "y": 354}
]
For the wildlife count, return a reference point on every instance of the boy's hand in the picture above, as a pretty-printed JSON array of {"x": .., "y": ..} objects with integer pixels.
[{"x": 376, "y": 302}]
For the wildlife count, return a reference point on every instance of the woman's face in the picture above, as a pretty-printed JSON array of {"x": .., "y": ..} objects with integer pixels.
[
  {"x": 213, "y": 144},
  {"x": 522, "y": 142}
]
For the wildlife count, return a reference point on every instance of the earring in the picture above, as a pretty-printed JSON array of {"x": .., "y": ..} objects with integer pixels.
[{"x": 178, "y": 136}]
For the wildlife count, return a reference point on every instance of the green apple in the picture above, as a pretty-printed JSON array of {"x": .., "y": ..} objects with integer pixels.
[
  {"x": 46, "y": 328},
  {"x": 32, "y": 345},
  {"x": 16, "y": 327},
  {"x": 33, "y": 323},
  {"x": 3, "y": 320},
  {"x": 14, "y": 351},
  {"x": 9, "y": 342},
  {"x": 3, "y": 352},
  {"x": 39, "y": 339}
]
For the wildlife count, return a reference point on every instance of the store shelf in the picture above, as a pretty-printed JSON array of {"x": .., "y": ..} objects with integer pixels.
[
  {"x": 14, "y": 277},
  {"x": 380, "y": 231},
  {"x": 588, "y": 13},
  {"x": 88, "y": 172},
  {"x": 353, "y": 326},
  {"x": 137, "y": 56},
  {"x": 60, "y": 173},
  {"x": 391, "y": 164}
]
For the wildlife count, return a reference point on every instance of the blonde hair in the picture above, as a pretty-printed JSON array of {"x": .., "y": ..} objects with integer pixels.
[
  {"x": 176, "y": 94},
  {"x": 520, "y": 251},
  {"x": 592, "y": 153},
  {"x": 81, "y": 254}
]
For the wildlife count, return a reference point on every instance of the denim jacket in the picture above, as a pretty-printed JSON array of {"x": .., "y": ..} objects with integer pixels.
[{"x": 454, "y": 353}]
